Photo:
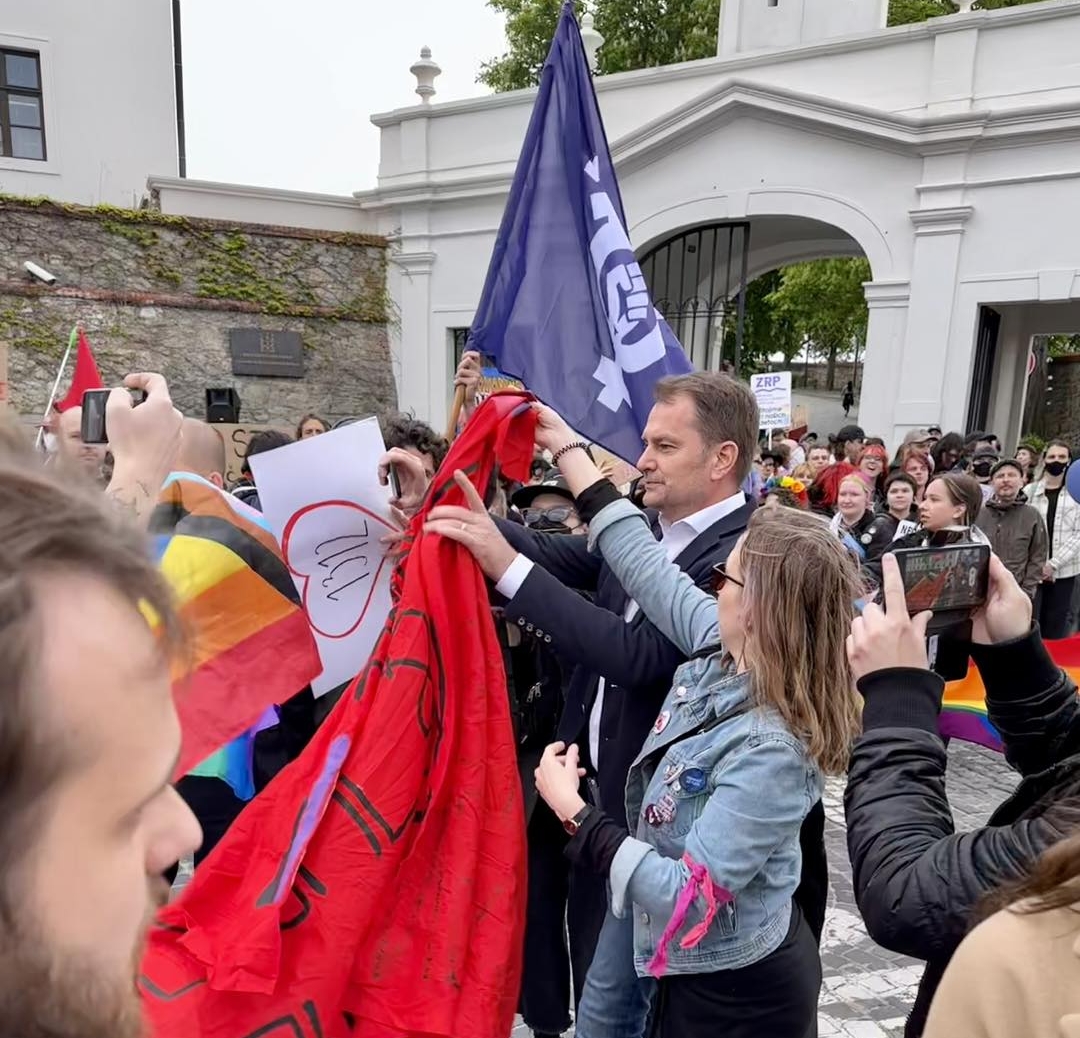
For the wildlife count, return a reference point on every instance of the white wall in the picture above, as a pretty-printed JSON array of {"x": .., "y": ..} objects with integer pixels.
[
  {"x": 110, "y": 115},
  {"x": 750, "y": 25},
  {"x": 947, "y": 150},
  {"x": 268, "y": 206}
]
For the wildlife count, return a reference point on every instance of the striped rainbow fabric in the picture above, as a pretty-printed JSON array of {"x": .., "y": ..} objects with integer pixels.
[
  {"x": 251, "y": 644},
  {"x": 963, "y": 711}
]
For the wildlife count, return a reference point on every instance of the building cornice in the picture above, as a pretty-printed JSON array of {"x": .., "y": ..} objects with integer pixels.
[
  {"x": 942, "y": 220},
  {"x": 262, "y": 194},
  {"x": 917, "y": 135},
  {"x": 926, "y": 30}
]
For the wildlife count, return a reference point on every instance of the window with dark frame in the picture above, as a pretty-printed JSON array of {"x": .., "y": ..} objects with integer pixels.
[
  {"x": 460, "y": 340},
  {"x": 22, "y": 115}
]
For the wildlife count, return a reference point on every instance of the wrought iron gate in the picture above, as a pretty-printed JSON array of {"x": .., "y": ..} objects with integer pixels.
[{"x": 697, "y": 280}]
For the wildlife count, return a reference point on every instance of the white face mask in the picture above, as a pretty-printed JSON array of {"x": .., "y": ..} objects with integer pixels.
[{"x": 51, "y": 446}]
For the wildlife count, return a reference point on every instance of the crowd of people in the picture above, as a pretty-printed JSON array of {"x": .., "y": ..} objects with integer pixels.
[
  {"x": 687, "y": 659},
  {"x": 935, "y": 487}
]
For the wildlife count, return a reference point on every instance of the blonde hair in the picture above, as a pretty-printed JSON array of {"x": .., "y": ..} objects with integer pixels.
[
  {"x": 860, "y": 481},
  {"x": 803, "y": 474},
  {"x": 801, "y": 585}
]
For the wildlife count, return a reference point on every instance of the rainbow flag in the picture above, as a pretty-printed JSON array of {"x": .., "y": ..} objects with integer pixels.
[
  {"x": 963, "y": 712},
  {"x": 251, "y": 644}
]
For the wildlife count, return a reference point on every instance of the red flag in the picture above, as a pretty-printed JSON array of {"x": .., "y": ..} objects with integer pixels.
[
  {"x": 376, "y": 889},
  {"x": 86, "y": 375}
]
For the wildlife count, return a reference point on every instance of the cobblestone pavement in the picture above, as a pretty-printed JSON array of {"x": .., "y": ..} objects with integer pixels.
[{"x": 866, "y": 990}]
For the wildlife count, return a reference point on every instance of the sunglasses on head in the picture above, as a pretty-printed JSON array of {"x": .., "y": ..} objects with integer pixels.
[
  {"x": 558, "y": 514},
  {"x": 720, "y": 577}
]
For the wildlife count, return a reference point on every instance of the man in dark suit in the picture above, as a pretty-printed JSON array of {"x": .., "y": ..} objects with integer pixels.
[{"x": 699, "y": 442}]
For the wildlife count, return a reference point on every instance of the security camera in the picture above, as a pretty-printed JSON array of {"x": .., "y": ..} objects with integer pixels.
[{"x": 34, "y": 271}]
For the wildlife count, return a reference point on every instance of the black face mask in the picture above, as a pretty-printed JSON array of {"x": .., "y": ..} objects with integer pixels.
[
  {"x": 545, "y": 525},
  {"x": 982, "y": 468},
  {"x": 1055, "y": 468}
]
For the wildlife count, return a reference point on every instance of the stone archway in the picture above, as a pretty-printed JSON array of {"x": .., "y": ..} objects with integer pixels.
[{"x": 698, "y": 275}]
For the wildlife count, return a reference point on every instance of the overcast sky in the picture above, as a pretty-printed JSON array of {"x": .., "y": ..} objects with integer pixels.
[{"x": 278, "y": 93}]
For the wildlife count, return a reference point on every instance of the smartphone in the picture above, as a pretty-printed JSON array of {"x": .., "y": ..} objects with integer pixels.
[
  {"x": 953, "y": 579},
  {"x": 395, "y": 482},
  {"x": 93, "y": 413}
]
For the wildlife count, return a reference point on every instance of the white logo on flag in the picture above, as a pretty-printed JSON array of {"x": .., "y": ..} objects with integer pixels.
[{"x": 634, "y": 325}]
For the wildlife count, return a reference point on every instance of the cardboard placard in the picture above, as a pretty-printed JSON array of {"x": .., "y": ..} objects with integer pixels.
[
  {"x": 773, "y": 393},
  {"x": 237, "y": 438},
  {"x": 328, "y": 511}
]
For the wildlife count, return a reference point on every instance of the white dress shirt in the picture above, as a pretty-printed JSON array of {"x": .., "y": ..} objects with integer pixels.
[{"x": 676, "y": 538}]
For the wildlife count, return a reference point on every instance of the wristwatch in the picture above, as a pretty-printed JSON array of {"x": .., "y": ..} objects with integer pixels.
[{"x": 572, "y": 825}]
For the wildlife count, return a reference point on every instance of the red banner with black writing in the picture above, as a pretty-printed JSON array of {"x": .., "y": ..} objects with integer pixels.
[{"x": 376, "y": 889}]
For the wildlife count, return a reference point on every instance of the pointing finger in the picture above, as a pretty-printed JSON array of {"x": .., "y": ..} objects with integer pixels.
[{"x": 472, "y": 498}]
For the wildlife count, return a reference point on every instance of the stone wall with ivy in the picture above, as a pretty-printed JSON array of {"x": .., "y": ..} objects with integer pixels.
[{"x": 161, "y": 292}]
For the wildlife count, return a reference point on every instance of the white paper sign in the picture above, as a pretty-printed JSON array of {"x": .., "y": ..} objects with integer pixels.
[
  {"x": 323, "y": 499},
  {"x": 773, "y": 393}
]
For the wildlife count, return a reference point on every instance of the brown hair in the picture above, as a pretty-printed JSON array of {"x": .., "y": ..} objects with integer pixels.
[
  {"x": 908, "y": 452},
  {"x": 727, "y": 412},
  {"x": 801, "y": 586},
  {"x": 49, "y": 528},
  {"x": 962, "y": 490},
  {"x": 308, "y": 418}
]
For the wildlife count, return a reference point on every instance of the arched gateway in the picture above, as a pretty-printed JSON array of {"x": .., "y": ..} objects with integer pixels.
[{"x": 945, "y": 152}]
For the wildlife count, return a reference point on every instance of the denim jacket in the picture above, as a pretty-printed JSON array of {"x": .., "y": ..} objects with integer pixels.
[{"x": 718, "y": 804}]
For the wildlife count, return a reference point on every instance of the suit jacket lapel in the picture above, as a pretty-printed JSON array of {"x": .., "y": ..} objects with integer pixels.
[{"x": 705, "y": 542}]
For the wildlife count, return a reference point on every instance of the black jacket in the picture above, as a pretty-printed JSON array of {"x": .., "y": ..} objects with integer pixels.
[
  {"x": 594, "y": 639},
  {"x": 917, "y": 881},
  {"x": 874, "y": 534}
]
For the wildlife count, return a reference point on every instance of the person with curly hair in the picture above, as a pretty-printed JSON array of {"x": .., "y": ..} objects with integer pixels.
[{"x": 418, "y": 439}]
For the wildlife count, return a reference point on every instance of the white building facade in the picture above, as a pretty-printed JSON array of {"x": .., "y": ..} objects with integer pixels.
[
  {"x": 88, "y": 102},
  {"x": 947, "y": 153}
]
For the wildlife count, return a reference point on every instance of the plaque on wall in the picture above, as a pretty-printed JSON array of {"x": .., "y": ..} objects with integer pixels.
[{"x": 269, "y": 354}]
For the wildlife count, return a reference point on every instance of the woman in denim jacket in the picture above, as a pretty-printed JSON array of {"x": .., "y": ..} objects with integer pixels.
[{"x": 764, "y": 707}]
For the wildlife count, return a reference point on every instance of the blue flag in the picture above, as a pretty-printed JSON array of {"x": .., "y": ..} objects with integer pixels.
[{"x": 565, "y": 307}]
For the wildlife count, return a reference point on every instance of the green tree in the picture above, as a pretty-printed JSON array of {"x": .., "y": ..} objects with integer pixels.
[
  {"x": 643, "y": 33},
  {"x": 637, "y": 34},
  {"x": 824, "y": 305},
  {"x": 904, "y": 12},
  {"x": 766, "y": 331}
]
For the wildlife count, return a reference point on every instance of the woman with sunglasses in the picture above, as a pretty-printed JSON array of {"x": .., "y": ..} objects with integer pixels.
[{"x": 711, "y": 867}]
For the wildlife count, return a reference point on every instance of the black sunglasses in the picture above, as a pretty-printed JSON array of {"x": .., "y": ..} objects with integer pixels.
[
  {"x": 558, "y": 514},
  {"x": 720, "y": 577}
]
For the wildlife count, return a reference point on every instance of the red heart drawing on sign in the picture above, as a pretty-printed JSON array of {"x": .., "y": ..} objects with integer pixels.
[{"x": 333, "y": 548}]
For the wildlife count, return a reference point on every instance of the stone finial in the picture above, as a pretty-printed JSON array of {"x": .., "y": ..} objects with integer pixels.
[
  {"x": 425, "y": 71},
  {"x": 591, "y": 38}
]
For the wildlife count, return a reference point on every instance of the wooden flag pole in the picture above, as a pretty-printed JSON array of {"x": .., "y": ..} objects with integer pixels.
[{"x": 455, "y": 413}]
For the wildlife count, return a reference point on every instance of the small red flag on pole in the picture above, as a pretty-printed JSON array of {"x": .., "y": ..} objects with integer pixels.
[{"x": 86, "y": 374}]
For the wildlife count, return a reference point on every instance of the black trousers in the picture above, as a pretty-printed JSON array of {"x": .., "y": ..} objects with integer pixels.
[
  {"x": 563, "y": 902},
  {"x": 1054, "y": 607},
  {"x": 774, "y": 998}
]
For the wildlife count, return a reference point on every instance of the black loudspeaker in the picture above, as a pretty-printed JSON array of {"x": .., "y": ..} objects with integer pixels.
[{"x": 223, "y": 405}]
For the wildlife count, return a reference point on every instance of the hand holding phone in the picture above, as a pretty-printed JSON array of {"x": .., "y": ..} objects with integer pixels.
[
  {"x": 949, "y": 581},
  {"x": 94, "y": 405},
  {"x": 1006, "y": 615},
  {"x": 882, "y": 639}
]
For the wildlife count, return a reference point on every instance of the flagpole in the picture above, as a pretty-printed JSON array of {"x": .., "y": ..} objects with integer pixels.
[
  {"x": 55, "y": 387},
  {"x": 455, "y": 413}
]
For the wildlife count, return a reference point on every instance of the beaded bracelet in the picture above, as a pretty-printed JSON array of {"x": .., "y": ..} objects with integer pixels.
[{"x": 576, "y": 445}]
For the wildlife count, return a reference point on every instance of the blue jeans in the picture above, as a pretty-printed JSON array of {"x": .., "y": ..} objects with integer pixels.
[{"x": 616, "y": 1001}]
